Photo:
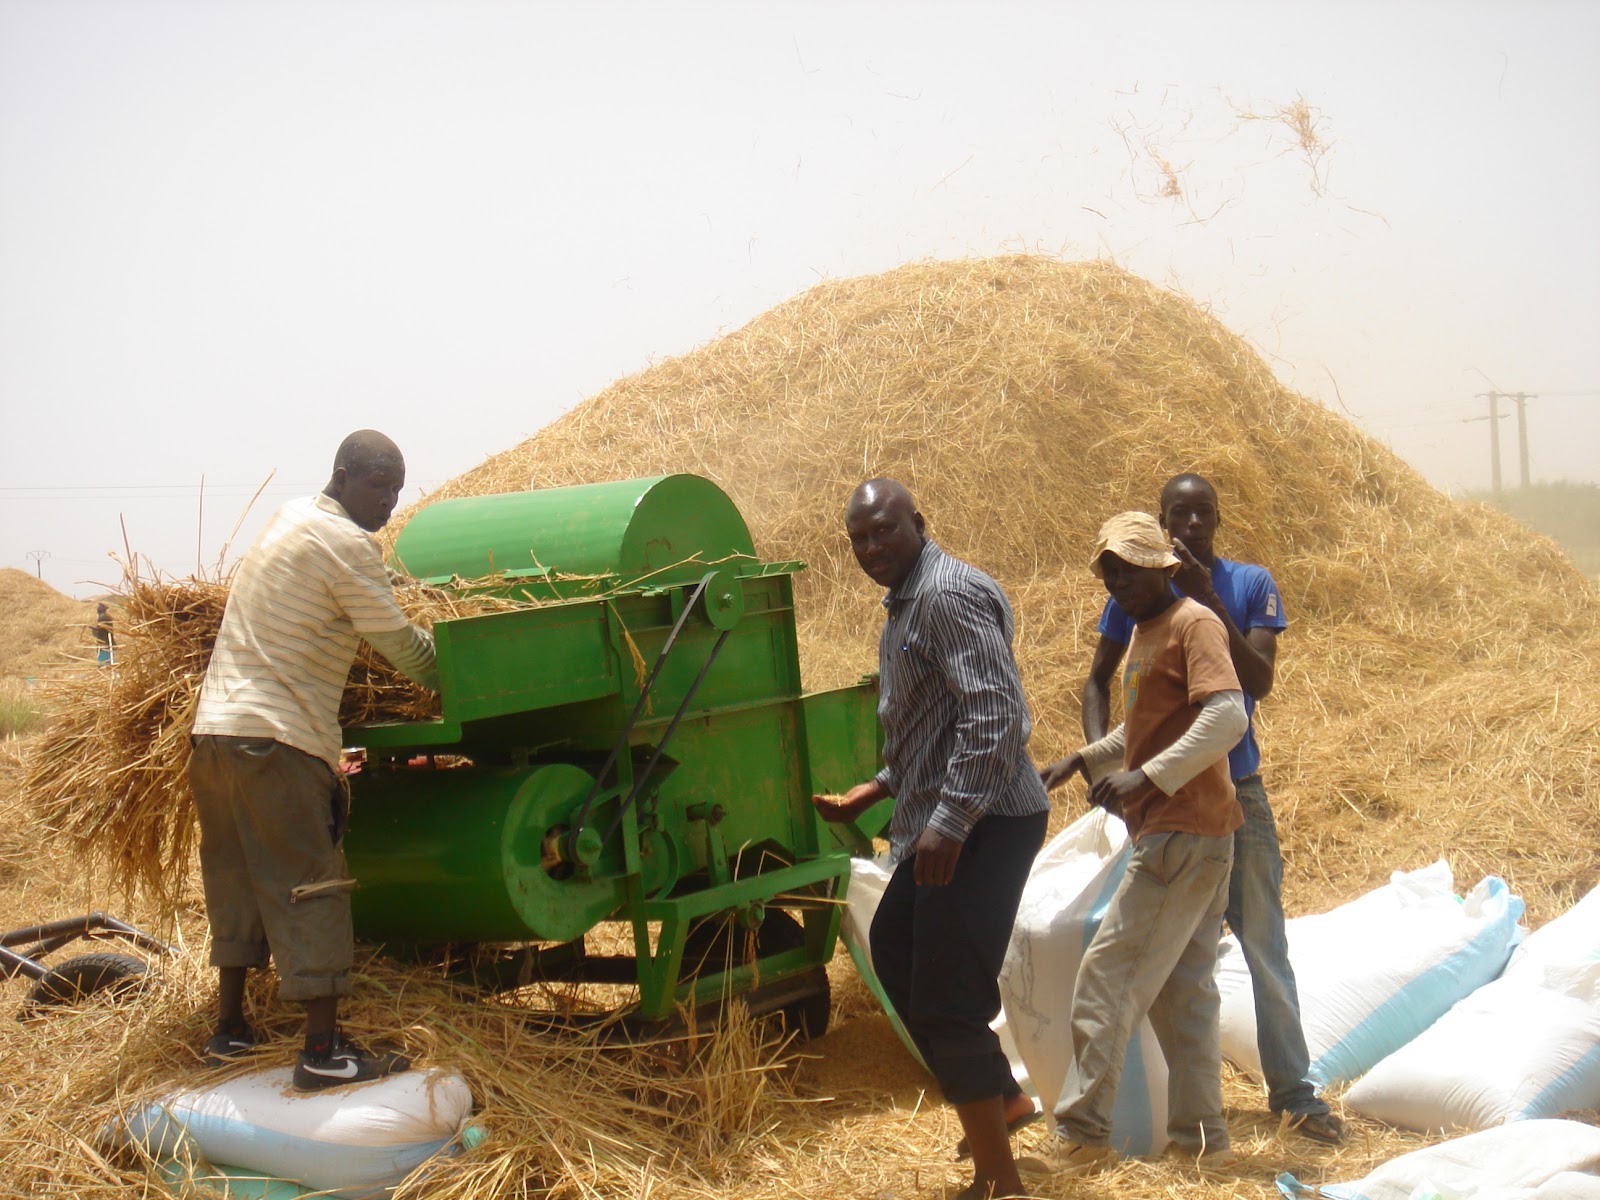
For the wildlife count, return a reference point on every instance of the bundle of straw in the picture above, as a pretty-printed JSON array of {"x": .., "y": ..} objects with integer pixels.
[{"x": 110, "y": 774}]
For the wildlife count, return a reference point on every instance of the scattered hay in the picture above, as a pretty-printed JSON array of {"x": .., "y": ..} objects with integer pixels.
[
  {"x": 567, "y": 1115},
  {"x": 1303, "y": 123}
]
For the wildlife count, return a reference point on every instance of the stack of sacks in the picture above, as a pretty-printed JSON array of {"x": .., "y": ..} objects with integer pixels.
[
  {"x": 1525, "y": 1046},
  {"x": 1376, "y": 972},
  {"x": 355, "y": 1142},
  {"x": 1068, "y": 891},
  {"x": 1531, "y": 1160}
]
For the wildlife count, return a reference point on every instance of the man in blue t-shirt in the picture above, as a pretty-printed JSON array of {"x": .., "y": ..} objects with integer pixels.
[{"x": 1246, "y": 598}]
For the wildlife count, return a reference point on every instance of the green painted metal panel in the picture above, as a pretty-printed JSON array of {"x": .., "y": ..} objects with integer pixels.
[
  {"x": 844, "y": 746},
  {"x": 532, "y": 658},
  {"x": 455, "y": 856},
  {"x": 623, "y": 530}
]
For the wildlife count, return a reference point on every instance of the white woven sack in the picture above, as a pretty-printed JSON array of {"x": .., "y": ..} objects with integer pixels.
[
  {"x": 354, "y": 1142},
  {"x": 1073, "y": 880},
  {"x": 1526, "y": 1045},
  {"x": 1527, "y": 1160},
  {"x": 1374, "y": 973},
  {"x": 1571, "y": 939}
]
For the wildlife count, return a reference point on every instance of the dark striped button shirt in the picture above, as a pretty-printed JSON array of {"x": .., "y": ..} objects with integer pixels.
[{"x": 955, "y": 723}]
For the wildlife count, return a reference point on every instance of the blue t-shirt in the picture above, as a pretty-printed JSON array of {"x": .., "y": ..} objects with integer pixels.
[{"x": 1252, "y": 600}]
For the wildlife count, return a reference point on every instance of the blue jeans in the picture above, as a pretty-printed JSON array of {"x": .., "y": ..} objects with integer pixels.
[{"x": 1255, "y": 914}]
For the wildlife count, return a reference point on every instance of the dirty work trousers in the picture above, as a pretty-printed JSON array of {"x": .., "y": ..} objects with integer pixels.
[
  {"x": 1155, "y": 953},
  {"x": 272, "y": 824},
  {"x": 938, "y": 953}
]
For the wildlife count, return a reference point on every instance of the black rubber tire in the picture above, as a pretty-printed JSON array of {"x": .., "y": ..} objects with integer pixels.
[
  {"x": 713, "y": 942},
  {"x": 75, "y": 979},
  {"x": 807, "y": 1018}
]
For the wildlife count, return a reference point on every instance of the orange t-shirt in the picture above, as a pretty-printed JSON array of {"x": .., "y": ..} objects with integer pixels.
[{"x": 1174, "y": 662}]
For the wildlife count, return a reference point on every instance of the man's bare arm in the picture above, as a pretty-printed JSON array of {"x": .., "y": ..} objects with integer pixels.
[{"x": 1097, "y": 688}]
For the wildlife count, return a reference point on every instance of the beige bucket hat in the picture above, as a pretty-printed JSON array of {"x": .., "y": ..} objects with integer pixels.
[{"x": 1134, "y": 537}]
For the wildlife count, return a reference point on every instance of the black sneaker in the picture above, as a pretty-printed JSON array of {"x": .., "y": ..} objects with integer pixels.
[
  {"x": 224, "y": 1048},
  {"x": 345, "y": 1063}
]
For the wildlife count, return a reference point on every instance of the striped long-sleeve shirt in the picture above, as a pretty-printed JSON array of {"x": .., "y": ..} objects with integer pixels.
[
  {"x": 310, "y": 586},
  {"x": 955, "y": 723}
]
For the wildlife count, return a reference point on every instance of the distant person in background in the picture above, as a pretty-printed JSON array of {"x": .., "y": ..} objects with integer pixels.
[
  {"x": 106, "y": 654},
  {"x": 1164, "y": 771},
  {"x": 265, "y": 772},
  {"x": 969, "y": 816},
  {"x": 1245, "y": 598}
]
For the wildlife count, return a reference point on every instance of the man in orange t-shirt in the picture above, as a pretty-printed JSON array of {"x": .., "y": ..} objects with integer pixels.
[{"x": 1156, "y": 950}]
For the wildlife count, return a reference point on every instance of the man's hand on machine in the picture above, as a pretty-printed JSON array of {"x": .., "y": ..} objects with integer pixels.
[{"x": 852, "y": 804}]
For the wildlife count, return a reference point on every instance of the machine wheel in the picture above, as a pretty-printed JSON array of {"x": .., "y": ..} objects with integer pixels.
[
  {"x": 714, "y": 943},
  {"x": 80, "y": 977},
  {"x": 809, "y": 1017}
]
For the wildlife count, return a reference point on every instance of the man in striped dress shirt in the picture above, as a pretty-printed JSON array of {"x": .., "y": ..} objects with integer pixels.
[
  {"x": 271, "y": 803},
  {"x": 969, "y": 816}
]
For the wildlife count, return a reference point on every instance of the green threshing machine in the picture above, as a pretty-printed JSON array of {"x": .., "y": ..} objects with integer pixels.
[{"x": 640, "y": 751}]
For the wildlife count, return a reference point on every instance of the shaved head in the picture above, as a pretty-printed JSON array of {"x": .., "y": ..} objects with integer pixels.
[
  {"x": 1187, "y": 482},
  {"x": 368, "y": 473},
  {"x": 364, "y": 450},
  {"x": 881, "y": 491},
  {"x": 1190, "y": 513},
  {"x": 885, "y": 530}
]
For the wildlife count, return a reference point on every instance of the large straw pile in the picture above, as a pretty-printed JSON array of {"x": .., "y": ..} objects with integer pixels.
[
  {"x": 1437, "y": 695},
  {"x": 39, "y": 627},
  {"x": 1438, "y": 691}
]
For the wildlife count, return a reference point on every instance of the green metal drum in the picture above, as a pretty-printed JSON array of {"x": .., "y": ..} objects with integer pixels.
[{"x": 661, "y": 530}]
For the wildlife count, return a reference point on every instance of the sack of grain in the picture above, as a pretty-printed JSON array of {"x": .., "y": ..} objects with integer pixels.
[
  {"x": 1376, "y": 972},
  {"x": 1073, "y": 880},
  {"x": 354, "y": 1142},
  {"x": 1528, "y": 1160},
  {"x": 1526, "y": 1045}
]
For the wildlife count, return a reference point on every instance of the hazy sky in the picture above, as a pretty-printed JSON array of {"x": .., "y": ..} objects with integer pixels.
[{"x": 230, "y": 233}]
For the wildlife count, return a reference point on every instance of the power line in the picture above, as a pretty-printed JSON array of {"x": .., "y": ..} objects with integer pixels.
[
  {"x": 133, "y": 487},
  {"x": 121, "y": 488}
]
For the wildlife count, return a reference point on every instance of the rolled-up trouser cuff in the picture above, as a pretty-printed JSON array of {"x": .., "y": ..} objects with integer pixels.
[
  {"x": 274, "y": 871},
  {"x": 965, "y": 1078},
  {"x": 239, "y": 954},
  {"x": 314, "y": 987}
]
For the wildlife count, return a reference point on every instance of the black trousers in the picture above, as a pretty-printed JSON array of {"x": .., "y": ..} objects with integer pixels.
[{"x": 938, "y": 953}]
